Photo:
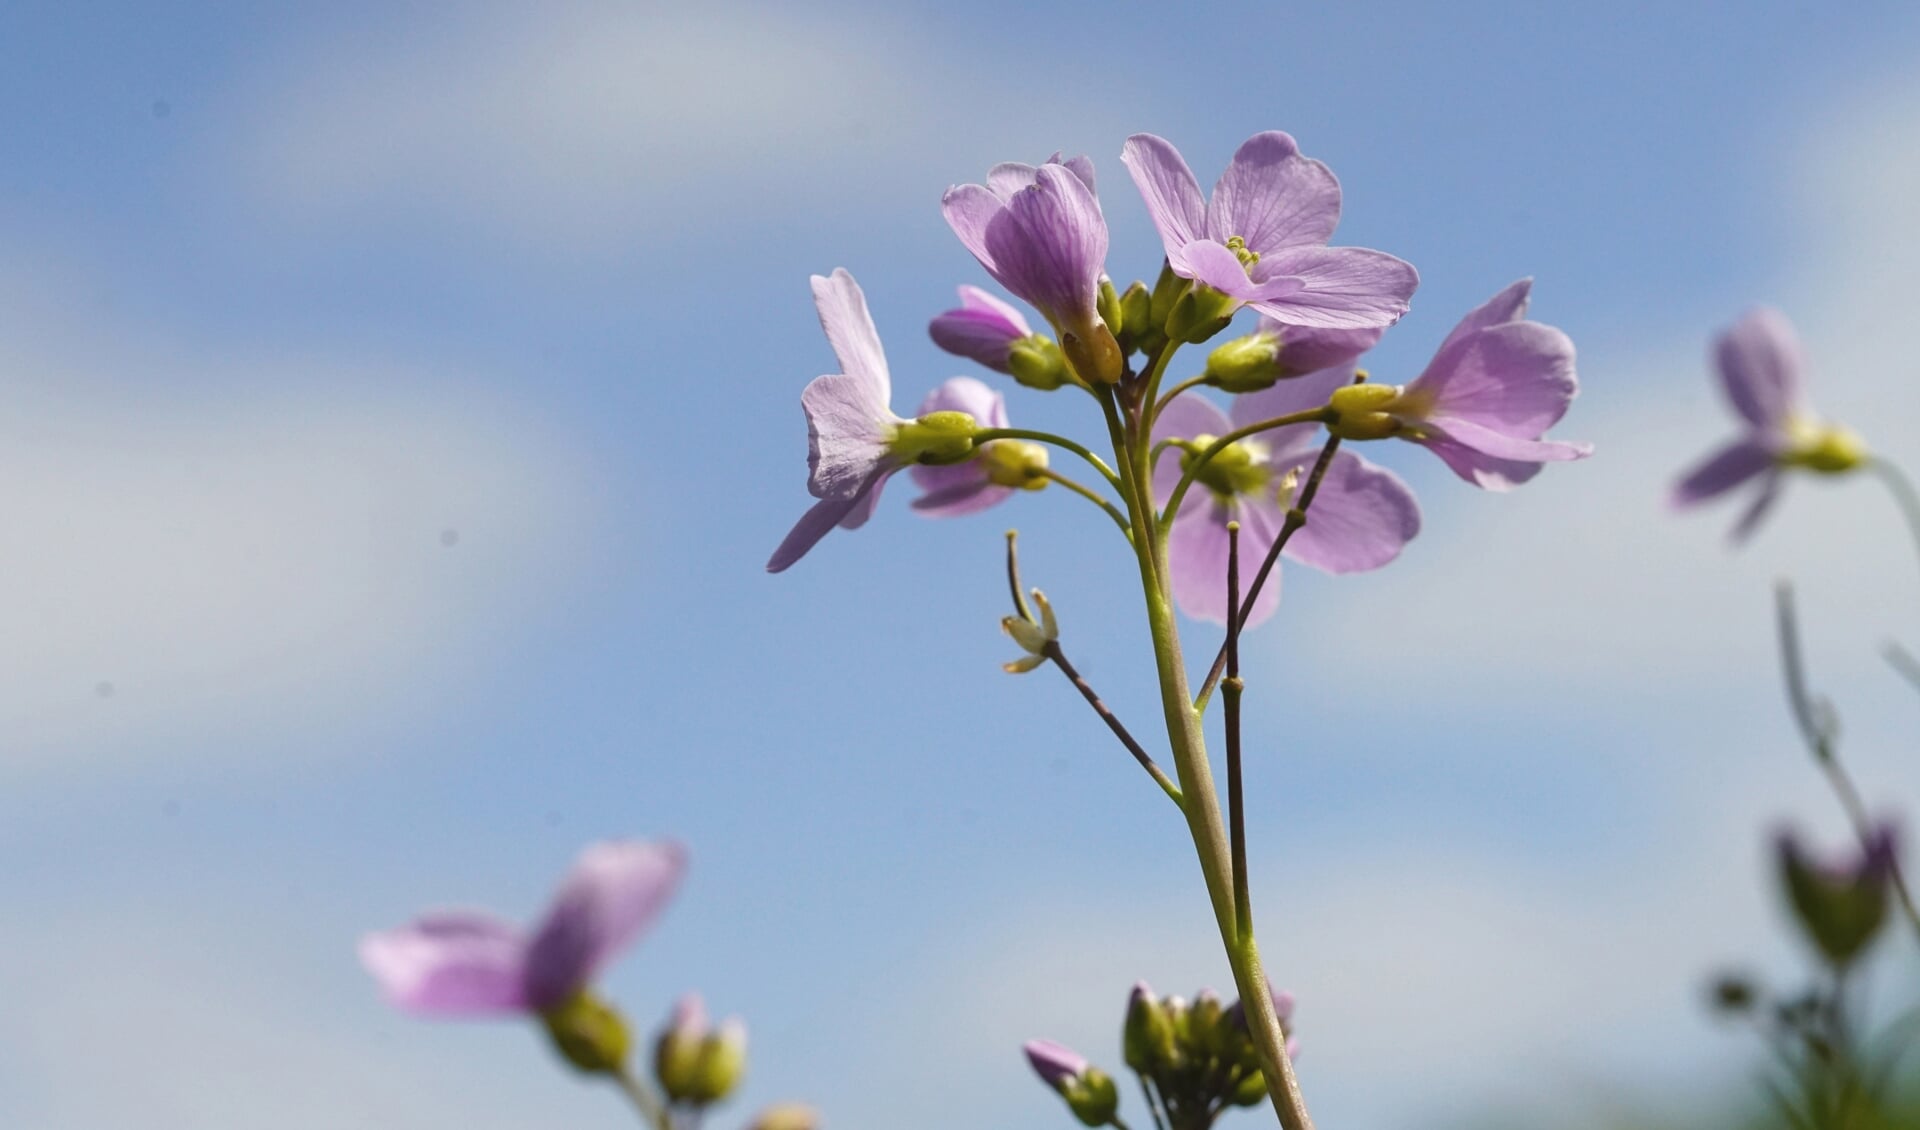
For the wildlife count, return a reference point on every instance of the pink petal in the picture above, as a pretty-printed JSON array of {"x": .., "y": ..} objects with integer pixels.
[
  {"x": 452, "y": 963},
  {"x": 1361, "y": 518},
  {"x": 1272, "y": 197},
  {"x": 846, "y": 434},
  {"x": 843, "y": 314},
  {"x": 1341, "y": 288},
  {"x": 1760, "y": 364},
  {"x": 1516, "y": 379},
  {"x": 1167, "y": 185},
  {"x": 1721, "y": 472},
  {"x": 1510, "y": 305},
  {"x": 614, "y": 892}
]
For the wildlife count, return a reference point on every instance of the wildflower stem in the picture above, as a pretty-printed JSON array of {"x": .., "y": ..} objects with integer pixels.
[
  {"x": 1323, "y": 415},
  {"x": 1296, "y": 518},
  {"x": 985, "y": 435},
  {"x": 1904, "y": 494},
  {"x": 1230, "y": 698},
  {"x": 1087, "y": 493},
  {"x": 1052, "y": 651},
  {"x": 643, "y": 1099},
  {"x": 1904, "y": 662},
  {"x": 1161, "y": 404},
  {"x": 1202, "y": 802},
  {"x": 1020, "y": 608},
  {"x": 1150, "y": 386},
  {"x": 1819, "y": 728},
  {"x": 1153, "y": 1103}
]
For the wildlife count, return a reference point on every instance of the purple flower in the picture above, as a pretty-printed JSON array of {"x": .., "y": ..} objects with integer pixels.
[
  {"x": 1361, "y": 518},
  {"x": 1276, "y": 351},
  {"x": 983, "y": 328},
  {"x": 1484, "y": 402},
  {"x": 850, "y": 424},
  {"x": 1841, "y": 903},
  {"x": 996, "y": 469},
  {"x": 1759, "y": 363},
  {"x": 1056, "y": 1064},
  {"x": 465, "y": 963},
  {"x": 1262, "y": 238},
  {"x": 1039, "y": 232}
]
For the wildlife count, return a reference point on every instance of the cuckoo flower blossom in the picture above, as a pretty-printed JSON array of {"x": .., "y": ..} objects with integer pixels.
[
  {"x": 1362, "y": 516},
  {"x": 1759, "y": 363},
  {"x": 854, "y": 441},
  {"x": 466, "y": 963},
  {"x": 1484, "y": 402},
  {"x": 1262, "y": 238},
  {"x": 996, "y": 469},
  {"x": 1039, "y": 232}
]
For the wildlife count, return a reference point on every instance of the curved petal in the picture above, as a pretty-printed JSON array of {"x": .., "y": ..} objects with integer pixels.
[
  {"x": 1721, "y": 472},
  {"x": 1167, "y": 185},
  {"x": 614, "y": 892},
  {"x": 1080, "y": 165},
  {"x": 1212, "y": 263},
  {"x": 1305, "y": 349},
  {"x": 1184, "y": 417},
  {"x": 846, "y": 434},
  {"x": 868, "y": 500},
  {"x": 965, "y": 394},
  {"x": 960, "y": 497},
  {"x": 843, "y": 314},
  {"x": 1479, "y": 468},
  {"x": 1341, "y": 288},
  {"x": 976, "y": 335},
  {"x": 1361, "y": 518},
  {"x": 1502, "y": 446},
  {"x": 1009, "y": 177},
  {"x": 1516, "y": 379},
  {"x": 1274, "y": 198},
  {"x": 1295, "y": 394},
  {"x": 1049, "y": 246},
  {"x": 1760, "y": 364},
  {"x": 970, "y": 209},
  {"x": 1510, "y": 305},
  {"x": 973, "y": 298},
  {"x": 1761, "y": 505},
  {"x": 453, "y": 963}
]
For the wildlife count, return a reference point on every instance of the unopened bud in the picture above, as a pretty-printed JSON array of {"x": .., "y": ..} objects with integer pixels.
[
  {"x": 1035, "y": 361},
  {"x": 786, "y": 1116},
  {"x": 1015, "y": 463},
  {"x": 1109, "y": 307},
  {"x": 722, "y": 1063},
  {"x": 1365, "y": 411},
  {"x": 1841, "y": 905},
  {"x": 1136, "y": 311},
  {"x": 1200, "y": 313},
  {"x": 588, "y": 1034},
  {"x": 1147, "y": 1039},
  {"x": 1251, "y": 1090},
  {"x": 1093, "y": 1098},
  {"x": 1245, "y": 364},
  {"x": 1167, "y": 290}
]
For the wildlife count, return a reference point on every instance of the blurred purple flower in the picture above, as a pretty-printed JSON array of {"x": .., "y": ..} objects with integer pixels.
[
  {"x": 1759, "y": 364},
  {"x": 466, "y": 963},
  {"x": 1484, "y": 402},
  {"x": 996, "y": 469},
  {"x": 983, "y": 328},
  {"x": 849, "y": 422},
  {"x": 1361, "y": 518},
  {"x": 1262, "y": 238}
]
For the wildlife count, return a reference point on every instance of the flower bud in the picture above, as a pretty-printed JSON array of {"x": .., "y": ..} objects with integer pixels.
[
  {"x": 677, "y": 1049},
  {"x": 1246, "y": 364},
  {"x": 1364, "y": 411},
  {"x": 1204, "y": 1023},
  {"x": 1250, "y": 1091},
  {"x": 722, "y": 1062},
  {"x": 1014, "y": 463},
  {"x": 1136, "y": 312},
  {"x": 1199, "y": 314},
  {"x": 1035, "y": 361},
  {"x": 1094, "y": 355},
  {"x": 1841, "y": 906},
  {"x": 588, "y": 1033},
  {"x": 1095, "y": 1099},
  {"x": 1147, "y": 1039},
  {"x": 1109, "y": 306},
  {"x": 1167, "y": 290}
]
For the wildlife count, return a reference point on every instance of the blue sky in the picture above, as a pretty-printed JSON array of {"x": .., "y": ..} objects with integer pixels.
[{"x": 401, "y": 403}]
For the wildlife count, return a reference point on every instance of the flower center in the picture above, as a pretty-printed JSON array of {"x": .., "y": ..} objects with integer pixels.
[
  {"x": 1826, "y": 448},
  {"x": 1240, "y": 251}
]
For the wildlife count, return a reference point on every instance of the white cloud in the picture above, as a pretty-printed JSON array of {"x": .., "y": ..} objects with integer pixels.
[
  {"x": 201, "y": 553},
  {"x": 572, "y": 123}
]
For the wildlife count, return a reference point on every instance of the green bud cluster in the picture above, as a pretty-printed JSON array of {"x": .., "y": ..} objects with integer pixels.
[
  {"x": 1198, "y": 1057},
  {"x": 1092, "y": 1096},
  {"x": 696, "y": 1065}
]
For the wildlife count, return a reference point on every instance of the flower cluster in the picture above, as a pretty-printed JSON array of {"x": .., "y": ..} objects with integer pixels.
[
  {"x": 1195, "y": 1060},
  {"x": 1261, "y": 239},
  {"x": 455, "y": 964}
]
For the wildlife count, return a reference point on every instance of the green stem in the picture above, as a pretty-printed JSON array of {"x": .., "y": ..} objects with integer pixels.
[
  {"x": 1904, "y": 495},
  {"x": 986, "y": 435},
  {"x": 1150, "y": 392},
  {"x": 642, "y": 1098},
  {"x": 1087, "y": 493},
  {"x": 1321, "y": 415}
]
